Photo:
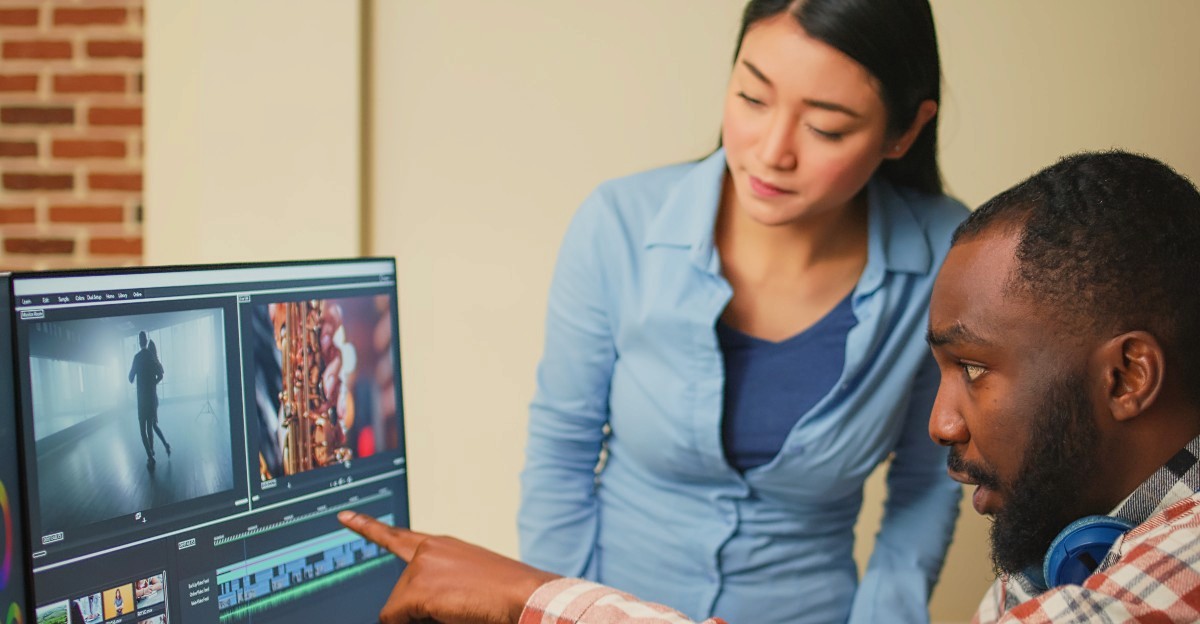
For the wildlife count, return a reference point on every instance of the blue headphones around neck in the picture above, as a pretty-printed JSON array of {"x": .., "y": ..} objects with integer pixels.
[{"x": 1078, "y": 550}]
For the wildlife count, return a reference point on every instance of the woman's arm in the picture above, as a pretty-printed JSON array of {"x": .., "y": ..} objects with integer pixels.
[
  {"x": 918, "y": 521},
  {"x": 557, "y": 518}
]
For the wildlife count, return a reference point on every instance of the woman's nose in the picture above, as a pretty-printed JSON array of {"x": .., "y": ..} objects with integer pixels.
[{"x": 778, "y": 148}]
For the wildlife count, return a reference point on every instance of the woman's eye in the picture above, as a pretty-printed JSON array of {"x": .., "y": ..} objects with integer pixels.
[
  {"x": 973, "y": 371},
  {"x": 754, "y": 101},
  {"x": 832, "y": 136}
]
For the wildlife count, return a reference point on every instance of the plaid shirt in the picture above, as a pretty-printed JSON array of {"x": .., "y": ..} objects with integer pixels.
[
  {"x": 575, "y": 601},
  {"x": 1151, "y": 574}
]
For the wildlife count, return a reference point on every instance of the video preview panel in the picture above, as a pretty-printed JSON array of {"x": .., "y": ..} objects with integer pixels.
[
  {"x": 130, "y": 414},
  {"x": 325, "y": 388}
]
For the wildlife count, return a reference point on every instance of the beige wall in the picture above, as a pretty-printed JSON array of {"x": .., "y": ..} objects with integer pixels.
[
  {"x": 489, "y": 123},
  {"x": 1028, "y": 81},
  {"x": 252, "y": 130}
]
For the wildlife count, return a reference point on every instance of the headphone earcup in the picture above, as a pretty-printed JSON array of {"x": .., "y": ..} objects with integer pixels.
[{"x": 1080, "y": 548}]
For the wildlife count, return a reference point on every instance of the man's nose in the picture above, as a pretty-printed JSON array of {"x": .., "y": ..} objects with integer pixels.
[{"x": 946, "y": 425}]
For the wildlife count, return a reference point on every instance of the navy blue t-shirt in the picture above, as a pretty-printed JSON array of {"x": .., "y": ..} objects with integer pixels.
[{"x": 770, "y": 385}]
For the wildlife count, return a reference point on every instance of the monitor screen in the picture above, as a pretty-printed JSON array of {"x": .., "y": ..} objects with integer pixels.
[{"x": 190, "y": 434}]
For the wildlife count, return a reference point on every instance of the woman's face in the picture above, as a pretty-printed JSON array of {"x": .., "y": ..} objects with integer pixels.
[{"x": 804, "y": 126}]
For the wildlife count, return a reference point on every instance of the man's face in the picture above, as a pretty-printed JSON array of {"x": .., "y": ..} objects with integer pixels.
[{"x": 1013, "y": 404}]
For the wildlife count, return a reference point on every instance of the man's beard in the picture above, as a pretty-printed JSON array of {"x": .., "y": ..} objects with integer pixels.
[{"x": 1048, "y": 493}]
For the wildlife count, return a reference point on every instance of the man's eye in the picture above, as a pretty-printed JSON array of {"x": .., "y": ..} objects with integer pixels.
[{"x": 973, "y": 371}]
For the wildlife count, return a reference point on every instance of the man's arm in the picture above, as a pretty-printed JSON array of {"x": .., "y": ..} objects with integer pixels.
[
  {"x": 576, "y": 601},
  {"x": 451, "y": 581}
]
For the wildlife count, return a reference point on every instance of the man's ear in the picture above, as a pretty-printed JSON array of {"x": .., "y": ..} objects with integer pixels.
[{"x": 1132, "y": 367}]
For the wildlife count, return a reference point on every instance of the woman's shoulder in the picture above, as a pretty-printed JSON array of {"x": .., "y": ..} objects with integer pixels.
[
  {"x": 631, "y": 204},
  {"x": 646, "y": 189},
  {"x": 934, "y": 209},
  {"x": 938, "y": 214}
]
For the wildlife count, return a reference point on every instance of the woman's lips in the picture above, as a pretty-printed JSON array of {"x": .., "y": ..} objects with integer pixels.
[{"x": 765, "y": 189}]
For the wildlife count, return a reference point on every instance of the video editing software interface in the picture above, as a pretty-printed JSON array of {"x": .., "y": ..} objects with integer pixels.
[{"x": 189, "y": 435}]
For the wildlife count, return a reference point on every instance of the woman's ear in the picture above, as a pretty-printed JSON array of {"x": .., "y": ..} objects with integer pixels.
[
  {"x": 1132, "y": 366},
  {"x": 899, "y": 146}
]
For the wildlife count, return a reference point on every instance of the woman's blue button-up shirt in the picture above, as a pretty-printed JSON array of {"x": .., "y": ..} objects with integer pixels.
[{"x": 631, "y": 345}]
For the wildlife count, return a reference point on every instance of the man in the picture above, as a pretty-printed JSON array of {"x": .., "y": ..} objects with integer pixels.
[
  {"x": 1066, "y": 324},
  {"x": 147, "y": 372}
]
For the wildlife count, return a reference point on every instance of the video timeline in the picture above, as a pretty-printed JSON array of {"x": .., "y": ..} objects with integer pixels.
[{"x": 293, "y": 572}]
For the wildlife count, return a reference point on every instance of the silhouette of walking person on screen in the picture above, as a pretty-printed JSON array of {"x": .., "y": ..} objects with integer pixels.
[
  {"x": 147, "y": 371},
  {"x": 153, "y": 349}
]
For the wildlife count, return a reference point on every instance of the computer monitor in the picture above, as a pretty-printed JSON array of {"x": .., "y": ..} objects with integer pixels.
[{"x": 188, "y": 435}]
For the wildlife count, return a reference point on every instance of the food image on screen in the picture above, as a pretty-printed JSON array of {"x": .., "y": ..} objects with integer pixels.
[{"x": 324, "y": 385}]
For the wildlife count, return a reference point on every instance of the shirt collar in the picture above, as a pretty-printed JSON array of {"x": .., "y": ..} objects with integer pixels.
[
  {"x": 1174, "y": 481},
  {"x": 689, "y": 213},
  {"x": 896, "y": 240}
]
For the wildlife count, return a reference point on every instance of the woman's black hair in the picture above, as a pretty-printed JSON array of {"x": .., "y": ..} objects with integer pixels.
[{"x": 896, "y": 42}]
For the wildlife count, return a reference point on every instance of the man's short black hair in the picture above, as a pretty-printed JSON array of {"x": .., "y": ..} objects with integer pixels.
[{"x": 1110, "y": 241}]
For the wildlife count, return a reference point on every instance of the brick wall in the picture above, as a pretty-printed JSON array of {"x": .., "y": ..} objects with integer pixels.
[{"x": 70, "y": 133}]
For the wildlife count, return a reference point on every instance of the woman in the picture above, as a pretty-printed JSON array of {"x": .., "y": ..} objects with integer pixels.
[{"x": 741, "y": 339}]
